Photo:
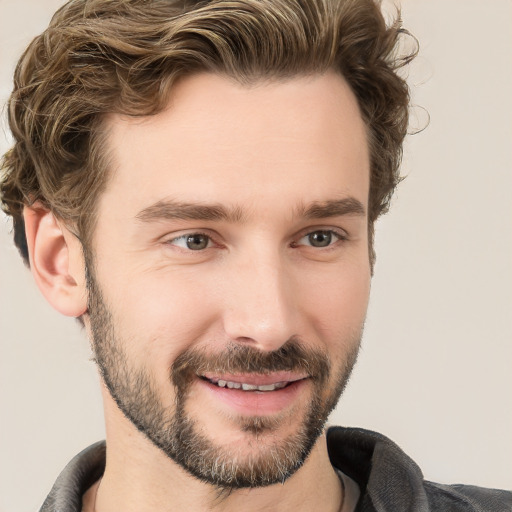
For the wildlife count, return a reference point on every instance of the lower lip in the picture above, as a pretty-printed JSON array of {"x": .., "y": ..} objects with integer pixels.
[{"x": 256, "y": 403}]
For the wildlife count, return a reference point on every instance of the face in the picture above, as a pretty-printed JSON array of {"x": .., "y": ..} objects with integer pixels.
[{"x": 229, "y": 271}]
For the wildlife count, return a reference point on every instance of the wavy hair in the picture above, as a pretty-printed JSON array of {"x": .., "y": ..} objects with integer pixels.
[{"x": 123, "y": 56}]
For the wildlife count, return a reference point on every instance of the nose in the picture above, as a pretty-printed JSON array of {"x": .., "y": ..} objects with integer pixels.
[{"x": 259, "y": 306}]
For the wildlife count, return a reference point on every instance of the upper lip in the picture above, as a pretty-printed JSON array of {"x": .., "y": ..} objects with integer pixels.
[{"x": 256, "y": 379}]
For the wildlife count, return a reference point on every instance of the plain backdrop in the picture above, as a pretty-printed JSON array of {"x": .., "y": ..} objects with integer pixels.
[{"x": 434, "y": 373}]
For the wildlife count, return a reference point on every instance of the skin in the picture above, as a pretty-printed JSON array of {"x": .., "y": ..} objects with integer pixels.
[{"x": 267, "y": 152}]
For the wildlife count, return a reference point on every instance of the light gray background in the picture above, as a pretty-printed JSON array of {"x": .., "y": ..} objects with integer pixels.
[{"x": 435, "y": 370}]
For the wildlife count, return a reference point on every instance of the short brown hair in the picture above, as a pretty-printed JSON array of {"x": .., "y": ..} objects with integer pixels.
[{"x": 99, "y": 57}]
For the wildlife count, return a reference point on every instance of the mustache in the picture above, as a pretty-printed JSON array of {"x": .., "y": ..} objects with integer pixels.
[{"x": 241, "y": 358}]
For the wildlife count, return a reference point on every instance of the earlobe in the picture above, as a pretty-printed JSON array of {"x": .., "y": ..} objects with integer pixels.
[{"x": 56, "y": 261}]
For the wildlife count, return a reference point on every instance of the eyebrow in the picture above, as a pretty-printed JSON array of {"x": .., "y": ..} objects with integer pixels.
[
  {"x": 176, "y": 210},
  {"x": 332, "y": 208}
]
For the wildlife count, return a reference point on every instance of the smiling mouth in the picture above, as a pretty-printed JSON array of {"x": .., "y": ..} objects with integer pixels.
[{"x": 247, "y": 386}]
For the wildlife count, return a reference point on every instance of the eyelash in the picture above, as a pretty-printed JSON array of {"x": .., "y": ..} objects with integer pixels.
[
  {"x": 335, "y": 236},
  {"x": 185, "y": 237}
]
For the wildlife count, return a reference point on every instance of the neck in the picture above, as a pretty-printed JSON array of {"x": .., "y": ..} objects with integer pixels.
[{"x": 140, "y": 478}]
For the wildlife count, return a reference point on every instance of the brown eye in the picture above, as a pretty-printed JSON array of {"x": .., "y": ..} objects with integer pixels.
[
  {"x": 197, "y": 242},
  {"x": 320, "y": 238}
]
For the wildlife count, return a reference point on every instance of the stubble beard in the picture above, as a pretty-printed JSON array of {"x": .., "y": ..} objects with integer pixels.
[{"x": 181, "y": 438}]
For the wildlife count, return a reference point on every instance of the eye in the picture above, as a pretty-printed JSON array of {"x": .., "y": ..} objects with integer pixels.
[
  {"x": 192, "y": 241},
  {"x": 320, "y": 238}
]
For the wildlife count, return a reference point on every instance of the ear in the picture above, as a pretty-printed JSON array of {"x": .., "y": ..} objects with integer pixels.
[{"x": 56, "y": 261}]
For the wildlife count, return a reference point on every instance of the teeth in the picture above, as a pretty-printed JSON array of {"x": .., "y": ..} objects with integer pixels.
[
  {"x": 249, "y": 387},
  {"x": 269, "y": 387}
]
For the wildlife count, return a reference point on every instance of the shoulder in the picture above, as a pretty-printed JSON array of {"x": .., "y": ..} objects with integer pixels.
[
  {"x": 467, "y": 498},
  {"x": 390, "y": 481}
]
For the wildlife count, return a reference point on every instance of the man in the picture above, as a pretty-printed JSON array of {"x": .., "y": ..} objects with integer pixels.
[{"x": 198, "y": 185}]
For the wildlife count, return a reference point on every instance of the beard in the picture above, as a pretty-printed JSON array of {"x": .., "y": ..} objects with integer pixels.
[{"x": 179, "y": 436}]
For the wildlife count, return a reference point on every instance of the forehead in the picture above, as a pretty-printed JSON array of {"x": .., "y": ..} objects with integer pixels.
[{"x": 219, "y": 141}]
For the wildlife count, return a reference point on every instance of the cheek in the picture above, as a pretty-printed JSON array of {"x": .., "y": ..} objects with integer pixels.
[
  {"x": 160, "y": 316},
  {"x": 337, "y": 305}
]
